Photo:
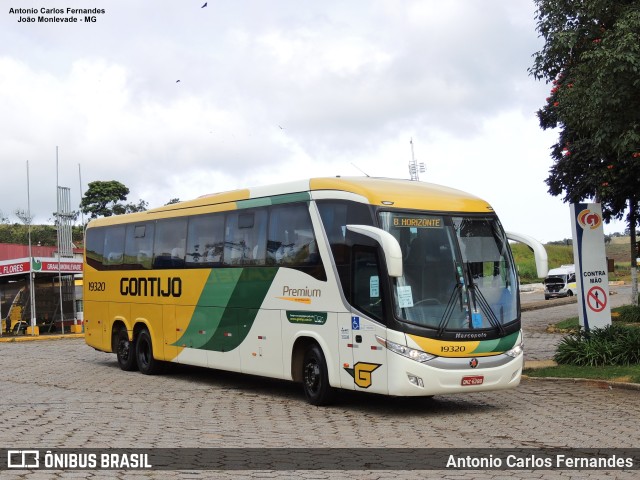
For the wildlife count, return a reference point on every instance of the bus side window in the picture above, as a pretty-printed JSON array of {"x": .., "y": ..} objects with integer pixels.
[
  {"x": 114, "y": 247},
  {"x": 291, "y": 240},
  {"x": 336, "y": 215},
  {"x": 205, "y": 241},
  {"x": 366, "y": 282},
  {"x": 170, "y": 242},
  {"x": 95, "y": 247},
  {"x": 259, "y": 237},
  {"x": 245, "y": 238},
  {"x": 138, "y": 249}
]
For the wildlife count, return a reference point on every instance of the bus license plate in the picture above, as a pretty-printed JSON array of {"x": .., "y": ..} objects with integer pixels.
[{"x": 474, "y": 380}]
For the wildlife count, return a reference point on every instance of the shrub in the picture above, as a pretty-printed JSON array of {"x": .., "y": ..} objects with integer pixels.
[
  {"x": 612, "y": 345},
  {"x": 629, "y": 314}
]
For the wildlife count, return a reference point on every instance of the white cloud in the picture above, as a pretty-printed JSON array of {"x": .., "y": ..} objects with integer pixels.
[{"x": 278, "y": 91}]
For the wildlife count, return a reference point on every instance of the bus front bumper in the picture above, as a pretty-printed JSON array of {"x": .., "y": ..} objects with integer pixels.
[{"x": 453, "y": 375}]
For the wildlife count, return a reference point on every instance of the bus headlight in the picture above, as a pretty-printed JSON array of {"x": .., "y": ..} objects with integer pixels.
[
  {"x": 515, "y": 351},
  {"x": 412, "y": 353}
]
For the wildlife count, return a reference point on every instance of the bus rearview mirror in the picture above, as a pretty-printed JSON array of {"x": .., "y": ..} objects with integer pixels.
[{"x": 389, "y": 244}]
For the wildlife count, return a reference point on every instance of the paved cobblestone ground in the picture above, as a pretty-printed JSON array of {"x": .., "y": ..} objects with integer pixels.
[{"x": 63, "y": 394}]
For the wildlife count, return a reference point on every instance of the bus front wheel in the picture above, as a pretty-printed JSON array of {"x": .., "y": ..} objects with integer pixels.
[
  {"x": 147, "y": 364},
  {"x": 125, "y": 350},
  {"x": 315, "y": 378}
]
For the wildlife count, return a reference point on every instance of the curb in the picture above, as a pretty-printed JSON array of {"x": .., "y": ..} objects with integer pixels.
[
  {"x": 556, "y": 302},
  {"x": 35, "y": 338},
  {"x": 603, "y": 384}
]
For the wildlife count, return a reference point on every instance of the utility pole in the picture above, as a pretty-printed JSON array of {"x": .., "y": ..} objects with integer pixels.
[{"x": 32, "y": 292}]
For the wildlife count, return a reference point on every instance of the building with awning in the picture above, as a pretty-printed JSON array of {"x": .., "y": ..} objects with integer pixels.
[{"x": 57, "y": 302}]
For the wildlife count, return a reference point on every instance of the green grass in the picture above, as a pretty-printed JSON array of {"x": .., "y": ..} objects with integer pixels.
[
  {"x": 523, "y": 256},
  {"x": 628, "y": 314},
  {"x": 625, "y": 314},
  {"x": 569, "y": 325},
  {"x": 617, "y": 373},
  {"x": 563, "y": 255},
  {"x": 603, "y": 348}
]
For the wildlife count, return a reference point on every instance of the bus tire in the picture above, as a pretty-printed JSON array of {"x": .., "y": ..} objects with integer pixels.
[
  {"x": 147, "y": 364},
  {"x": 125, "y": 350},
  {"x": 315, "y": 377}
]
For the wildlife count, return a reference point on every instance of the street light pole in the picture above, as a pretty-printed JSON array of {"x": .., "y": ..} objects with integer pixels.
[{"x": 32, "y": 293}]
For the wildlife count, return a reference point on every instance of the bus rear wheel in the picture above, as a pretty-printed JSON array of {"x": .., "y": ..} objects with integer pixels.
[
  {"x": 125, "y": 350},
  {"x": 315, "y": 378},
  {"x": 147, "y": 364}
]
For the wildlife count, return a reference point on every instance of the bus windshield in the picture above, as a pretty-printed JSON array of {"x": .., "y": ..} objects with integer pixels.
[{"x": 458, "y": 273}]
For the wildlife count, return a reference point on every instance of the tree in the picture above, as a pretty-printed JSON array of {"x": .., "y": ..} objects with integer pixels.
[
  {"x": 40, "y": 234},
  {"x": 105, "y": 198},
  {"x": 24, "y": 216},
  {"x": 141, "y": 206},
  {"x": 592, "y": 57}
]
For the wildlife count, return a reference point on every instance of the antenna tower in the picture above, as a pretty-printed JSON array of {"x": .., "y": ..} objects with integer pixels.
[{"x": 415, "y": 168}]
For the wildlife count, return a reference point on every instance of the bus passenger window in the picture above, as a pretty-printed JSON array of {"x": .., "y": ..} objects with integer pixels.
[
  {"x": 95, "y": 247},
  {"x": 205, "y": 241},
  {"x": 170, "y": 242},
  {"x": 138, "y": 249},
  {"x": 245, "y": 238},
  {"x": 291, "y": 240},
  {"x": 114, "y": 246}
]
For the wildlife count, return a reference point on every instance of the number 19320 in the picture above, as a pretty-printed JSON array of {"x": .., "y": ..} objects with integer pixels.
[
  {"x": 453, "y": 348},
  {"x": 96, "y": 286}
]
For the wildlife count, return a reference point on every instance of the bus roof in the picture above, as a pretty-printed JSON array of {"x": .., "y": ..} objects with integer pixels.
[{"x": 395, "y": 193}]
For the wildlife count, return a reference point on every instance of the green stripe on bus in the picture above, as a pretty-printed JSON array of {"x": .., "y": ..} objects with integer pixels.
[
  {"x": 275, "y": 200},
  {"x": 291, "y": 198},
  {"x": 507, "y": 343},
  {"x": 253, "y": 203},
  {"x": 242, "y": 308},
  {"x": 497, "y": 345},
  {"x": 227, "y": 308}
]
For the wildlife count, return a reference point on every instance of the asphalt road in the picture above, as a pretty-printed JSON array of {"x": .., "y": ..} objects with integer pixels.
[{"x": 541, "y": 345}]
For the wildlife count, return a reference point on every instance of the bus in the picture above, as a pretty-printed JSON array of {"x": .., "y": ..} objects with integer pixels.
[{"x": 393, "y": 287}]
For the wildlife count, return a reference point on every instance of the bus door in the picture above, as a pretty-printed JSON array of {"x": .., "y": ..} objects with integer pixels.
[{"x": 369, "y": 369}]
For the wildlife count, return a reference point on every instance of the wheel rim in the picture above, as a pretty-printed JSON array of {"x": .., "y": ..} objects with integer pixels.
[
  {"x": 124, "y": 349},
  {"x": 144, "y": 353},
  {"x": 312, "y": 376}
]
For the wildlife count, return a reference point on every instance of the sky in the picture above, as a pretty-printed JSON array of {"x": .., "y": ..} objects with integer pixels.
[{"x": 176, "y": 100}]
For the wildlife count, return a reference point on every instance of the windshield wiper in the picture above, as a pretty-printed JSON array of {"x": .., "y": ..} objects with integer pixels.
[
  {"x": 479, "y": 299},
  {"x": 459, "y": 288},
  {"x": 449, "y": 310}
]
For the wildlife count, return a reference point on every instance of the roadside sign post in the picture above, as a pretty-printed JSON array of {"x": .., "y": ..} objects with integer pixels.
[{"x": 591, "y": 265}]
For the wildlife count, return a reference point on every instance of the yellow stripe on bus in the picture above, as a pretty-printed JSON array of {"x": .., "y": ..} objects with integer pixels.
[
  {"x": 444, "y": 348},
  {"x": 403, "y": 194},
  {"x": 306, "y": 300}
]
